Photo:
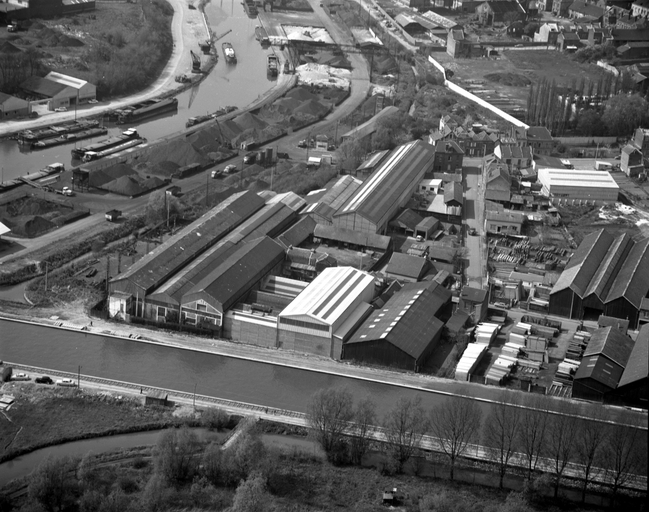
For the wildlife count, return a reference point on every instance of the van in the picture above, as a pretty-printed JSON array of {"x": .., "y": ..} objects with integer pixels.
[{"x": 250, "y": 158}]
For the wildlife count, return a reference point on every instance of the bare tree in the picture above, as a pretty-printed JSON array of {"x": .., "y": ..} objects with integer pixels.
[
  {"x": 533, "y": 430},
  {"x": 591, "y": 438},
  {"x": 501, "y": 432},
  {"x": 53, "y": 485},
  {"x": 624, "y": 454},
  {"x": 329, "y": 415},
  {"x": 404, "y": 427},
  {"x": 561, "y": 441},
  {"x": 364, "y": 419},
  {"x": 456, "y": 423},
  {"x": 174, "y": 455}
]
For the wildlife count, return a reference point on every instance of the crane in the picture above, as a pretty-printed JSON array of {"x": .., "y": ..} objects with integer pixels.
[{"x": 196, "y": 62}]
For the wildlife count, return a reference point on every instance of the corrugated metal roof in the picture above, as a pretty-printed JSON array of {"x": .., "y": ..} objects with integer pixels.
[
  {"x": 611, "y": 342},
  {"x": 352, "y": 237},
  {"x": 226, "y": 281},
  {"x": 341, "y": 191},
  {"x": 298, "y": 232},
  {"x": 269, "y": 221},
  {"x": 404, "y": 321},
  {"x": 632, "y": 280},
  {"x": 42, "y": 86},
  {"x": 408, "y": 219},
  {"x": 189, "y": 242},
  {"x": 373, "y": 160},
  {"x": 405, "y": 265},
  {"x": 403, "y": 169},
  {"x": 602, "y": 281},
  {"x": 598, "y": 367},
  {"x": 576, "y": 178},
  {"x": 637, "y": 367},
  {"x": 330, "y": 294},
  {"x": 453, "y": 192},
  {"x": 68, "y": 81}
]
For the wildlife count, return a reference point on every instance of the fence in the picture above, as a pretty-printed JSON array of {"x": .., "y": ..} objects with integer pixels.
[{"x": 587, "y": 141}]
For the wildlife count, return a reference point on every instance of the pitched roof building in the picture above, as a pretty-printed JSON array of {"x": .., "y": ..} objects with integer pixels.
[{"x": 404, "y": 267}]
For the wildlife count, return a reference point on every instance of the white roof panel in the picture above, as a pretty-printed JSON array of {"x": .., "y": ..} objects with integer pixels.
[{"x": 576, "y": 178}]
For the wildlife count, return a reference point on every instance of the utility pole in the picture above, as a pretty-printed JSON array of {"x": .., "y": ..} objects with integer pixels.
[
  {"x": 47, "y": 266},
  {"x": 194, "y": 397},
  {"x": 207, "y": 187},
  {"x": 79, "y": 377}
]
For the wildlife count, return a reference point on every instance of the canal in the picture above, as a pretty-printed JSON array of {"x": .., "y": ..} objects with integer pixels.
[{"x": 236, "y": 85}]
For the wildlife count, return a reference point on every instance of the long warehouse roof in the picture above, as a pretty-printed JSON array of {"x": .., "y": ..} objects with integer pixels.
[
  {"x": 387, "y": 183},
  {"x": 329, "y": 295},
  {"x": 577, "y": 178}
]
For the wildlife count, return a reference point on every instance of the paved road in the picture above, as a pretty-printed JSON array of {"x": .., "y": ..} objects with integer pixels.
[{"x": 473, "y": 216}]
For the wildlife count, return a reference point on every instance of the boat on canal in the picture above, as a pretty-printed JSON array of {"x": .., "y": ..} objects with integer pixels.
[
  {"x": 262, "y": 36},
  {"x": 110, "y": 142},
  {"x": 193, "y": 121},
  {"x": 228, "y": 52},
  {"x": 146, "y": 109},
  {"x": 49, "y": 132},
  {"x": 272, "y": 65},
  {"x": 69, "y": 137}
]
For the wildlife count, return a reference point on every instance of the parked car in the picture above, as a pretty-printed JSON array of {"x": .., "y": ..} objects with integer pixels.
[
  {"x": 473, "y": 232},
  {"x": 216, "y": 173},
  {"x": 61, "y": 109},
  {"x": 250, "y": 158},
  {"x": 66, "y": 382},
  {"x": 20, "y": 376},
  {"x": 301, "y": 144},
  {"x": 93, "y": 101},
  {"x": 282, "y": 155},
  {"x": 230, "y": 169},
  {"x": 44, "y": 380}
]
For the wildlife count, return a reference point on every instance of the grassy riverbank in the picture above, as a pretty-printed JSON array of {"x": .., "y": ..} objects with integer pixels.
[{"x": 43, "y": 416}]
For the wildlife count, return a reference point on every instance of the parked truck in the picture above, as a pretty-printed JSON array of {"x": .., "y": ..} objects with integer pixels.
[
  {"x": 113, "y": 215},
  {"x": 603, "y": 166}
]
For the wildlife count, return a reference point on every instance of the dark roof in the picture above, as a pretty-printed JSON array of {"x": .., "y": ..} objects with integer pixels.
[
  {"x": 188, "y": 243},
  {"x": 498, "y": 195},
  {"x": 340, "y": 191},
  {"x": 631, "y": 34},
  {"x": 457, "y": 321},
  {"x": 538, "y": 133},
  {"x": 269, "y": 221},
  {"x": 352, "y": 237},
  {"x": 441, "y": 253},
  {"x": 42, "y": 86},
  {"x": 298, "y": 232},
  {"x": 504, "y": 7},
  {"x": 404, "y": 321},
  {"x": 611, "y": 321},
  {"x": 11, "y": 102},
  {"x": 453, "y": 192},
  {"x": 428, "y": 223},
  {"x": 569, "y": 36},
  {"x": 373, "y": 160},
  {"x": 637, "y": 366},
  {"x": 473, "y": 294},
  {"x": 632, "y": 280},
  {"x": 498, "y": 172},
  {"x": 505, "y": 216},
  {"x": 408, "y": 219},
  {"x": 612, "y": 343},
  {"x": 587, "y": 9},
  {"x": 448, "y": 146},
  {"x": 601, "y": 282},
  {"x": 223, "y": 285},
  {"x": 405, "y": 265},
  {"x": 402, "y": 170}
]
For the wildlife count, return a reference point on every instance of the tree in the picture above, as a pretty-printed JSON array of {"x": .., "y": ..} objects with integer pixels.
[
  {"x": 364, "y": 420},
  {"x": 624, "y": 113},
  {"x": 246, "y": 456},
  {"x": 561, "y": 441},
  {"x": 53, "y": 485},
  {"x": 328, "y": 415},
  {"x": 251, "y": 495},
  {"x": 174, "y": 456},
  {"x": 212, "y": 463},
  {"x": 533, "y": 430},
  {"x": 624, "y": 454},
  {"x": 161, "y": 207},
  {"x": 591, "y": 437},
  {"x": 501, "y": 432},
  {"x": 456, "y": 423},
  {"x": 404, "y": 427}
]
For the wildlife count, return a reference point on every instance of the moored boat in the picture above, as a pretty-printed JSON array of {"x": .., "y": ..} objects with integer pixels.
[
  {"x": 69, "y": 137},
  {"x": 110, "y": 142},
  {"x": 146, "y": 109},
  {"x": 228, "y": 52}
]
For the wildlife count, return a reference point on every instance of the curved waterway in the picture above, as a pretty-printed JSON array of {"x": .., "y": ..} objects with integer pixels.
[
  {"x": 237, "y": 85},
  {"x": 178, "y": 369}
]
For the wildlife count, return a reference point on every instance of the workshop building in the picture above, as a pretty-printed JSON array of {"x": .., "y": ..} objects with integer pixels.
[{"x": 570, "y": 185}]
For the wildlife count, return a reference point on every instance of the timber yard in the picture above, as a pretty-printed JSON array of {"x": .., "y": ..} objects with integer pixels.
[{"x": 334, "y": 227}]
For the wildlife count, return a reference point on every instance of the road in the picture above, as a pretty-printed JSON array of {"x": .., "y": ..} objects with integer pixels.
[
  {"x": 98, "y": 202},
  {"x": 473, "y": 213}
]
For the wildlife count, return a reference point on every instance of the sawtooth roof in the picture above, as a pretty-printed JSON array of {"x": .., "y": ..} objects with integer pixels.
[
  {"x": 404, "y": 321},
  {"x": 401, "y": 170}
]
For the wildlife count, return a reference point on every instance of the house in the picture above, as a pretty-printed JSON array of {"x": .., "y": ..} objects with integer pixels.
[
  {"x": 633, "y": 50},
  {"x": 490, "y": 13},
  {"x": 410, "y": 25},
  {"x": 450, "y": 122},
  {"x": 405, "y": 331},
  {"x": 602, "y": 365},
  {"x": 504, "y": 222},
  {"x": 515, "y": 157},
  {"x": 499, "y": 183},
  {"x": 475, "y": 302},
  {"x": 631, "y": 161},
  {"x": 620, "y": 37},
  {"x": 12, "y": 107},
  {"x": 568, "y": 42},
  {"x": 561, "y": 7},
  {"x": 157, "y": 397},
  {"x": 453, "y": 194},
  {"x": 641, "y": 140},
  {"x": 457, "y": 45},
  {"x": 404, "y": 267},
  {"x": 321, "y": 142},
  {"x": 448, "y": 157},
  {"x": 580, "y": 9},
  {"x": 476, "y": 143},
  {"x": 427, "y": 227},
  {"x": 547, "y": 33},
  {"x": 538, "y": 137}
]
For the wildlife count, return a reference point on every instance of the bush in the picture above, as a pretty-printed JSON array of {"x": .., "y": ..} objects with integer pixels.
[
  {"x": 127, "y": 484},
  {"x": 140, "y": 462},
  {"x": 215, "y": 418},
  {"x": 6, "y": 373}
]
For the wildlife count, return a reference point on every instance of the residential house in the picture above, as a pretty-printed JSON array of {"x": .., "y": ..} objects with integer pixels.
[
  {"x": 449, "y": 122},
  {"x": 479, "y": 143},
  {"x": 560, "y": 7},
  {"x": 466, "y": 6},
  {"x": 504, "y": 222},
  {"x": 499, "y": 183},
  {"x": 475, "y": 302},
  {"x": 620, "y": 37},
  {"x": 631, "y": 161},
  {"x": 456, "y": 44},
  {"x": 448, "y": 157},
  {"x": 568, "y": 42},
  {"x": 538, "y": 137},
  {"x": 583, "y": 10},
  {"x": 490, "y": 13},
  {"x": 406, "y": 222},
  {"x": 633, "y": 50},
  {"x": 640, "y": 8},
  {"x": 641, "y": 140},
  {"x": 515, "y": 157},
  {"x": 547, "y": 33},
  {"x": 12, "y": 107}
]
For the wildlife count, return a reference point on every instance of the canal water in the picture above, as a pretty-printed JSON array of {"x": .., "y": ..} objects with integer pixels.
[
  {"x": 236, "y": 85},
  {"x": 178, "y": 369}
]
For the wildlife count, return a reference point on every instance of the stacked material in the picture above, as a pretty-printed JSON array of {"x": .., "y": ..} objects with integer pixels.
[
  {"x": 512, "y": 348},
  {"x": 578, "y": 345},
  {"x": 545, "y": 331},
  {"x": 469, "y": 361},
  {"x": 500, "y": 369},
  {"x": 566, "y": 371},
  {"x": 485, "y": 333},
  {"x": 522, "y": 328},
  {"x": 516, "y": 338}
]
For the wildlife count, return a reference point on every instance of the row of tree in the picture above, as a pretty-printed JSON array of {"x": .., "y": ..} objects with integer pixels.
[
  {"x": 533, "y": 431},
  {"x": 560, "y": 108}
]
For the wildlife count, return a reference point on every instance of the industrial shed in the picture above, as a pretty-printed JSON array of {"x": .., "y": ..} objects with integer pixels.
[
  {"x": 228, "y": 282},
  {"x": 298, "y": 233},
  {"x": 577, "y": 185},
  {"x": 61, "y": 90},
  {"x": 607, "y": 275},
  {"x": 633, "y": 388},
  {"x": 12, "y": 107},
  {"x": 403, "y": 333},
  {"x": 404, "y": 267},
  {"x": 387, "y": 190},
  {"x": 326, "y": 312},
  {"x": 190, "y": 242},
  {"x": 602, "y": 365},
  {"x": 351, "y": 239}
]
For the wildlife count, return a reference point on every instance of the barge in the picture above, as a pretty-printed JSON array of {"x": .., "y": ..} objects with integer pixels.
[
  {"x": 145, "y": 109},
  {"x": 193, "y": 121},
  {"x": 251, "y": 8},
  {"x": 262, "y": 36},
  {"x": 228, "y": 52},
  {"x": 272, "y": 65},
  {"x": 32, "y": 136},
  {"x": 110, "y": 142},
  {"x": 89, "y": 156},
  {"x": 69, "y": 137}
]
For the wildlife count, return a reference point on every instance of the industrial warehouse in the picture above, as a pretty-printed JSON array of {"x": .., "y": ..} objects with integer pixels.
[{"x": 574, "y": 185}]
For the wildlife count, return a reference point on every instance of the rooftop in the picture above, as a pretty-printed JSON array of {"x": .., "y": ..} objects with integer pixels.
[
  {"x": 577, "y": 178},
  {"x": 637, "y": 366},
  {"x": 473, "y": 294},
  {"x": 413, "y": 267}
]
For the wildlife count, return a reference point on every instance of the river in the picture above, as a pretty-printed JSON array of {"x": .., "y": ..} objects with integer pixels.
[{"x": 236, "y": 85}]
